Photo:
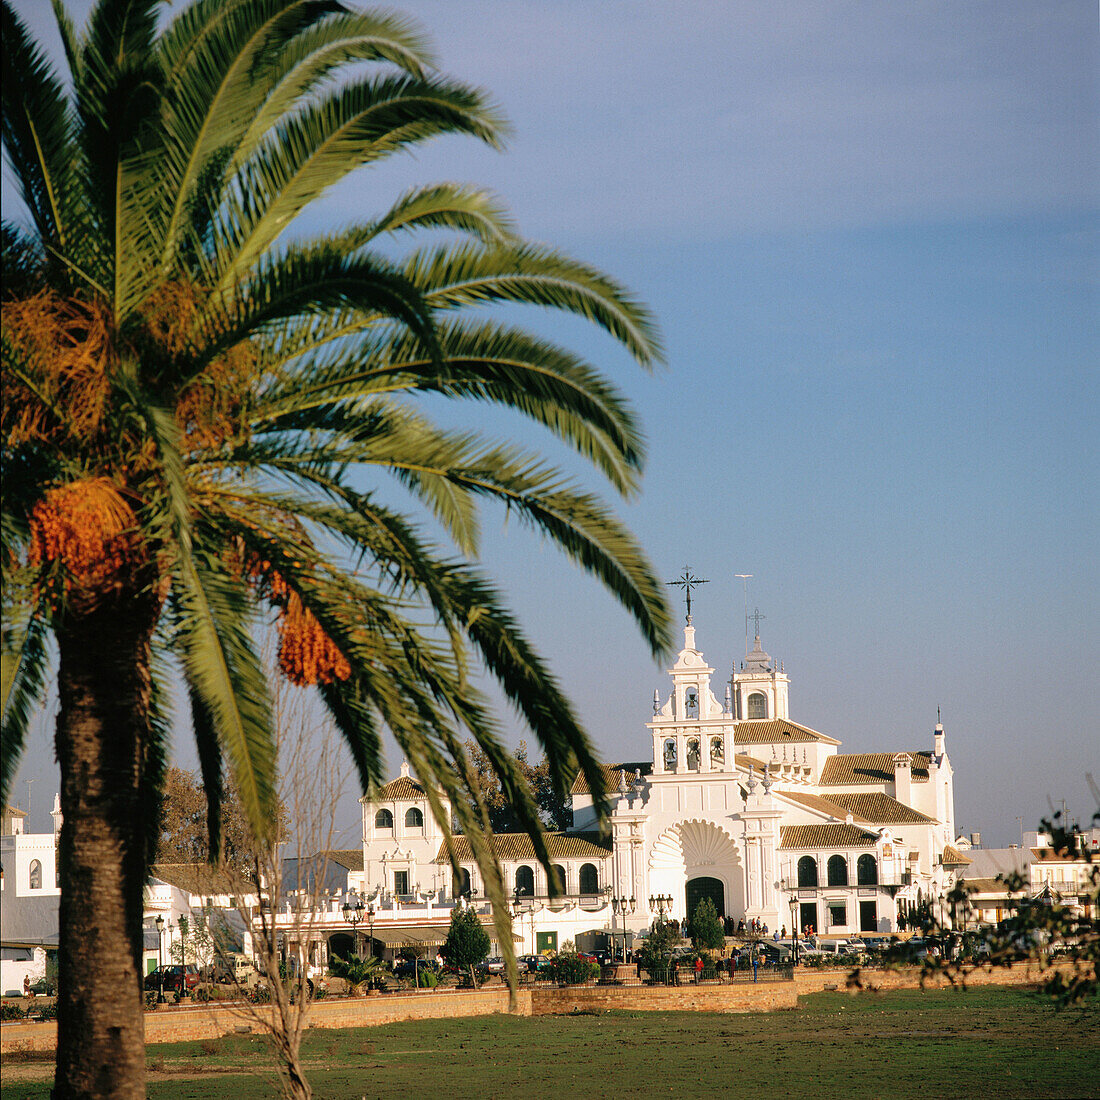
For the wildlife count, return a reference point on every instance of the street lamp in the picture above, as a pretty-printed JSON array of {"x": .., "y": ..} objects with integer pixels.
[
  {"x": 624, "y": 907},
  {"x": 159, "y": 922},
  {"x": 794, "y": 927},
  {"x": 353, "y": 914},
  {"x": 662, "y": 903}
]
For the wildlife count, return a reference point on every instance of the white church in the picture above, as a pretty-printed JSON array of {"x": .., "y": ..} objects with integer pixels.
[{"x": 735, "y": 802}]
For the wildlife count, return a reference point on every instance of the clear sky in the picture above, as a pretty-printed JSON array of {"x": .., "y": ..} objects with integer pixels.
[{"x": 869, "y": 232}]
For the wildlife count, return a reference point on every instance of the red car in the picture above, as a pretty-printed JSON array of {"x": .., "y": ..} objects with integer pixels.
[{"x": 176, "y": 978}]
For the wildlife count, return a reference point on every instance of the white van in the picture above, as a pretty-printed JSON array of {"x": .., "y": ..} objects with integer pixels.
[{"x": 237, "y": 968}]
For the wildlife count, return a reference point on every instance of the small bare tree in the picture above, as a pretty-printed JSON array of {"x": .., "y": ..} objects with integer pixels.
[{"x": 289, "y": 880}]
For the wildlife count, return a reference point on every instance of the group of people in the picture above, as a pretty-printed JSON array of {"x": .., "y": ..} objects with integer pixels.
[{"x": 754, "y": 929}]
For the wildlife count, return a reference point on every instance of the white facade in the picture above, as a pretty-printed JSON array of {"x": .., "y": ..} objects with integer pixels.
[{"x": 736, "y": 802}]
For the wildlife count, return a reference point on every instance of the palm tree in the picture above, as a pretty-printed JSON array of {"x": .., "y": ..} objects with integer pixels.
[{"x": 197, "y": 409}]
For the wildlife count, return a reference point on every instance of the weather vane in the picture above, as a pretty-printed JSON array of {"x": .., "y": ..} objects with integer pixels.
[{"x": 687, "y": 582}]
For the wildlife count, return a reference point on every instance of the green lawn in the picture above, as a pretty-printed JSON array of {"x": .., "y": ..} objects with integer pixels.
[{"x": 981, "y": 1043}]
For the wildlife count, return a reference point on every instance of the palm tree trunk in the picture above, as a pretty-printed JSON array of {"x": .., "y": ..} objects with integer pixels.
[{"x": 102, "y": 725}]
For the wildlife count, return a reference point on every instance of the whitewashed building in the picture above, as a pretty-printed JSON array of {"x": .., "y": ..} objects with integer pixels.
[{"x": 734, "y": 801}]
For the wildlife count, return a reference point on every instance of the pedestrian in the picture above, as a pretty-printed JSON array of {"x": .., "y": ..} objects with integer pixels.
[
  {"x": 765, "y": 928},
  {"x": 27, "y": 986},
  {"x": 755, "y": 965},
  {"x": 698, "y": 969},
  {"x": 783, "y": 934},
  {"x": 776, "y": 936}
]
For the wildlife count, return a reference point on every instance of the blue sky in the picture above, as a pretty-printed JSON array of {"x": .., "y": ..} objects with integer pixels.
[{"x": 869, "y": 232}]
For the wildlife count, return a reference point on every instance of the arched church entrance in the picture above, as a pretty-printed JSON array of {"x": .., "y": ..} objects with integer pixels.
[
  {"x": 705, "y": 887},
  {"x": 695, "y": 859}
]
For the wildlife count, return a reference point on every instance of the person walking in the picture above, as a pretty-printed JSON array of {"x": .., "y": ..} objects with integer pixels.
[{"x": 698, "y": 969}]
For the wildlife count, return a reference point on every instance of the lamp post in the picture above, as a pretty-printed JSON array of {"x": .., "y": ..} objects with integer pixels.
[
  {"x": 159, "y": 922},
  {"x": 624, "y": 907},
  {"x": 662, "y": 903},
  {"x": 794, "y": 927},
  {"x": 353, "y": 914}
]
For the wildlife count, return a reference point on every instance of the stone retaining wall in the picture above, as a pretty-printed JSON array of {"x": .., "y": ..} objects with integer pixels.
[{"x": 173, "y": 1024}]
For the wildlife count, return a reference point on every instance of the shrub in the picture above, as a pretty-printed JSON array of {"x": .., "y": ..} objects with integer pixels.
[
  {"x": 568, "y": 968},
  {"x": 10, "y": 1011},
  {"x": 150, "y": 999},
  {"x": 427, "y": 979},
  {"x": 467, "y": 941},
  {"x": 48, "y": 1011}
]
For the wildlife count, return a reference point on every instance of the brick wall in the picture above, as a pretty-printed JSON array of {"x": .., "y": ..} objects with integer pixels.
[
  {"x": 173, "y": 1024},
  {"x": 742, "y": 997}
]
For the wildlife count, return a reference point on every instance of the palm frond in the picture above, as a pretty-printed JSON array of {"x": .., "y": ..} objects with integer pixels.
[
  {"x": 452, "y": 277},
  {"x": 37, "y": 131},
  {"x": 314, "y": 148},
  {"x": 24, "y": 658},
  {"x": 215, "y": 56},
  {"x": 223, "y": 671},
  {"x": 290, "y": 74}
]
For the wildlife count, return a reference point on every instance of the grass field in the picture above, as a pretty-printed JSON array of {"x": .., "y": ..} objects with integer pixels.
[{"x": 982, "y": 1043}]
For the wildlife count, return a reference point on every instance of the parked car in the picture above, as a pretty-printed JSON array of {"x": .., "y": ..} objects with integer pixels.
[
  {"x": 177, "y": 978},
  {"x": 404, "y": 968},
  {"x": 533, "y": 963},
  {"x": 492, "y": 965},
  {"x": 588, "y": 957}
]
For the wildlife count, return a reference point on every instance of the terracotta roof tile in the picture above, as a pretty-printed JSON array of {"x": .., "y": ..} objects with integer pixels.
[
  {"x": 200, "y": 878},
  {"x": 985, "y": 886},
  {"x": 517, "y": 846},
  {"x": 825, "y": 836},
  {"x": 952, "y": 857},
  {"x": 821, "y": 805},
  {"x": 778, "y": 731},
  {"x": 351, "y": 858},
  {"x": 611, "y": 774},
  {"x": 870, "y": 767},
  {"x": 401, "y": 787},
  {"x": 879, "y": 808}
]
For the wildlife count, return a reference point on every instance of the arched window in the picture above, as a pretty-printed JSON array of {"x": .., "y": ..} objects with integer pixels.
[
  {"x": 36, "y": 874},
  {"x": 590, "y": 879},
  {"x": 525, "y": 881},
  {"x": 717, "y": 750},
  {"x": 414, "y": 819},
  {"x": 807, "y": 871},
  {"x": 461, "y": 883},
  {"x": 838, "y": 871},
  {"x": 383, "y": 820},
  {"x": 758, "y": 705},
  {"x": 866, "y": 870},
  {"x": 670, "y": 754},
  {"x": 559, "y": 878}
]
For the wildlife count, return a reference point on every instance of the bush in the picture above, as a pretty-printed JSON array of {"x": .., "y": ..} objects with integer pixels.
[
  {"x": 48, "y": 1011},
  {"x": 10, "y": 1011},
  {"x": 427, "y": 979},
  {"x": 150, "y": 999},
  {"x": 569, "y": 968}
]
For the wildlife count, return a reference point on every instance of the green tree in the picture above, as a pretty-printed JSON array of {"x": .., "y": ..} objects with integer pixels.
[
  {"x": 554, "y": 805},
  {"x": 706, "y": 928},
  {"x": 184, "y": 835},
  {"x": 198, "y": 413},
  {"x": 656, "y": 953},
  {"x": 467, "y": 941}
]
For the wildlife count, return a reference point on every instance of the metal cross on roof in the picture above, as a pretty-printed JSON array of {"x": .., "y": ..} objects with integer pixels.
[
  {"x": 687, "y": 582},
  {"x": 756, "y": 617}
]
